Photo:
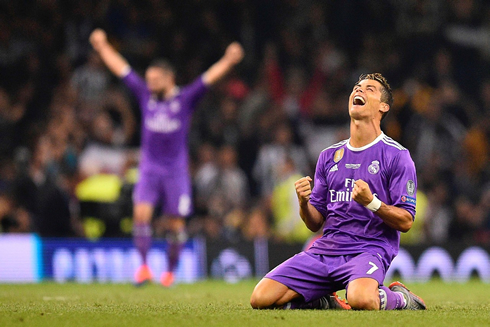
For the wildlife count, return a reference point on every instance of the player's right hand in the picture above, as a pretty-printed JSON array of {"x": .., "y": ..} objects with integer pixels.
[
  {"x": 98, "y": 38},
  {"x": 303, "y": 189}
]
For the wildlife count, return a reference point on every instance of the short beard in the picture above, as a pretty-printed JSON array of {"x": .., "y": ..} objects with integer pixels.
[{"x": 160, "y": 95}]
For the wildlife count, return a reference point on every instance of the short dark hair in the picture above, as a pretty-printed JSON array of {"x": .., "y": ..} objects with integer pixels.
[
  {"x": 163, "y": 64},
  {"x": 386, "y": 93}
]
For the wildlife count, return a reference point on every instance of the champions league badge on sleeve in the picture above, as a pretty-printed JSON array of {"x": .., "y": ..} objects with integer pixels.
[
  {"x": 409, "y": 199},
  {"x": 374, "y": 167},
  {"x": 339, "y": 154},
  {"x": 410, "y": 187}
]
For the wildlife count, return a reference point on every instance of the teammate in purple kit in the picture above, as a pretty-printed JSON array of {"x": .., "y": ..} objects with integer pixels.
[
  {"x": 364, "y": 195},
  {"x": 166, "y": 114}
]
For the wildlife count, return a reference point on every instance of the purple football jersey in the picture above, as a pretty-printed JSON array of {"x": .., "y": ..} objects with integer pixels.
[
  {"x": 165, "y": 124},
  {"x": 350, "y": 227}
]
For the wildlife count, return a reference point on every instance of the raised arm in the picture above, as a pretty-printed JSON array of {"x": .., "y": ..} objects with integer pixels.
[
  {"x": 233, "y": 55},
  {"x": 111, "y": 58},
  {"x": 312, "y": 218}
]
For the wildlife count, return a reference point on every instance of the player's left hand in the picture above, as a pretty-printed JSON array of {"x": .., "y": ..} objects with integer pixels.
[
  {"x": 362, "y": 193},
  {"x": 234, "y": 53}
]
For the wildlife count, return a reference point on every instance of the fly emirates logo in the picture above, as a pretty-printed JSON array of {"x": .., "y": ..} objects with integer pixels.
[
  {"x": 162, "y": 123},
  {"x": 343, "y": 196}
]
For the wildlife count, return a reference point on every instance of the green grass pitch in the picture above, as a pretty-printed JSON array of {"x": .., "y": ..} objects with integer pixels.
[{"x": 215, "y": 303}]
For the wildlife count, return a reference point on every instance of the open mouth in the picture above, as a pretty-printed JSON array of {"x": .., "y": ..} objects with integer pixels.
[{"x": 358, "y": 101}]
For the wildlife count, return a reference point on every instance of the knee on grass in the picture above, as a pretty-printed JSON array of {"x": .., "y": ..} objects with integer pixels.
[
  {"x": 363, "y": 301},
  {"x": 258, "y": 301}
]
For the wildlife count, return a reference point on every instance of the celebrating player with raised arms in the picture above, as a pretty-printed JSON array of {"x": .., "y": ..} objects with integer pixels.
[
  {"x": 364, "y": 195},
  {"x": 166, "y": 113}
]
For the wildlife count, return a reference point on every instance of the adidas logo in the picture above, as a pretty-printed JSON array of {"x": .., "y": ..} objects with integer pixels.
[{"x": 334, "y": 168}]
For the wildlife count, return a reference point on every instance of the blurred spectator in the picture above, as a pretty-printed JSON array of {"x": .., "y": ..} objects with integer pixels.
[
  {"x": 91, "y": 80},
  {"x": 420, "y": 17},
  {"x": 221, "y": 191},
  {"x": 13, "y": 219},
  {"x": 10, "y": 117},
  {"x": 291, "y": 92},
  {"x": 437, "y": 218},
  {"x": 287, "y": 225},
  {"x": 328, "y": 125},
  {"x": 467, "y": 222},
  {"x": 230, "y": 186},
  {"x": 434, "y": 134},
  {"x": 256, "y": 225},
  {"x": 223, "y": 126},
  {"x": 204, "y": 175},
  {"x": 467, "y": 37},
  {"x": 106, "y": 152},
  {"x": 272, "y": 156},
  {"x": 56, "y": 211},
  {"x": 47, "y": 193}
]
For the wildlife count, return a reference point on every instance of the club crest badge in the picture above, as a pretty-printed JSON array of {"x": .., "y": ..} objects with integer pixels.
[
  {"x": 339, "y": 154},
  {"x": 374, "y": 167},
  {"x": 410, "y": 187},
  {"x": 174, "y": 107}
]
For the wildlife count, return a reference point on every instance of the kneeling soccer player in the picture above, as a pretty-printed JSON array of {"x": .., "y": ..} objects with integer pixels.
[{"x": 364, "y": 195}]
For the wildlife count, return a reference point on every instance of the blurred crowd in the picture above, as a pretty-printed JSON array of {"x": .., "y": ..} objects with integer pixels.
[{"x": 69, "y": 131}]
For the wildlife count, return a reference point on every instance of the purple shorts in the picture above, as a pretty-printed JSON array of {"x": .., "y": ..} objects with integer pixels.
[
  {"x": 173, "y": 192},
  {"x": 316, "y": 275}
]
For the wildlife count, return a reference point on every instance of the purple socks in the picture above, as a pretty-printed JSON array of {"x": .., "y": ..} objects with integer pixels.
[
  {"x": 142, "y": 239},
  {"x": 176, "y": 243},
  {"x": 174, "y": 249},
  {"x": 390, "y": 300}
]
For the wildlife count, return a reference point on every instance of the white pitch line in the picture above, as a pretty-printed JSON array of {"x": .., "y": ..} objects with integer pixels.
[{"x": 59, "y": 298}]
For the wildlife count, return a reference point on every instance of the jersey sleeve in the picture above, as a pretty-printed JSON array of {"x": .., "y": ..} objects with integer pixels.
[
  {"x": 136, "y": 84},
  {"x": 403, "y": 182},
  {"x": 194, "y": 92},
  {"x": 319, "y": 194}
]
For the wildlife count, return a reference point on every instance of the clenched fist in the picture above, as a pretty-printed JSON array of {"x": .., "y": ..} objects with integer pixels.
[
  {"x": 98, "y": 39},
  {"x": 234, "y": 53},
  {"x": 303, "y": 189},
  {"x": 362, "y": 193}
]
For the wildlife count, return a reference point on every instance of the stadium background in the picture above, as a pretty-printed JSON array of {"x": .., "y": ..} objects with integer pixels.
[{"x": 69, "y": 131}]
